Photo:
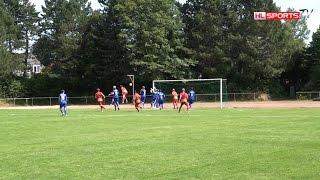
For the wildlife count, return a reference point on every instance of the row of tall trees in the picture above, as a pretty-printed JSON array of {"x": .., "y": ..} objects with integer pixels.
[
  {"x": 18, "y": 19},
  {"x": 157, "y": 39}
]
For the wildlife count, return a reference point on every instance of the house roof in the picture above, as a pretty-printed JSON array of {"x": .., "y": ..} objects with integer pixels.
[{"x": 32, "y": 60}]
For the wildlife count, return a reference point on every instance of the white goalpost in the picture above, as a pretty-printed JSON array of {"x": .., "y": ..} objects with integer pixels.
[{"x": 210, "y": 87}]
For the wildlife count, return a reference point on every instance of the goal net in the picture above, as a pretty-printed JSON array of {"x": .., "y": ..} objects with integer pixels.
[{"x": 207, "y": 90}]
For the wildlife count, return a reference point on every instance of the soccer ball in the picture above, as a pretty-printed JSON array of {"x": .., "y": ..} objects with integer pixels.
[{"x": 130, "y": 84}]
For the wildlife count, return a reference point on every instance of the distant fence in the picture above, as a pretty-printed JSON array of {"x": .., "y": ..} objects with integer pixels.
[
  {"x": 308, "y": 95},
  {"x": 48, "y": 101},
  {"x": 90, "y": 100}
]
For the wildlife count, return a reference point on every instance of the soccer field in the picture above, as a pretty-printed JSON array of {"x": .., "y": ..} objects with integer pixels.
[{"x": 202, "y": 144}]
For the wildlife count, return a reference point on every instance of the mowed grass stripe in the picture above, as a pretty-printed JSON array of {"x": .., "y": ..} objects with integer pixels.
[{"x": 204, "y": 144}]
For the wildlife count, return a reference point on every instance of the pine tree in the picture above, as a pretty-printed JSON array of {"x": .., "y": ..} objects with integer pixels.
[
  {"x": 25, "y": 18},
  {"x": 28, "y": 24},
  {"x": 9, "y": 32},
  {"x": 152, "y": 32},
  {"x": 102, "y": 58},
  {"x": 313, "y": 61},
  {"x": 228, "y": 43},
  {"x": 61, "y": 28}
]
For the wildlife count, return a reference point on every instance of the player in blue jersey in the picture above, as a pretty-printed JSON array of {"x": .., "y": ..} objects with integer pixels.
[
  {"x": 157, "y": 98},
  {"x": 143, "y": 95},
  {"x": 192, "y": 97},
  {"x": 161, "y": 97},
  {"x": 63, "y": 101},
  {"x": 151, "y": 92},
  {"x": 154, "y": 98},
  {"x": 115, "y": 98}
]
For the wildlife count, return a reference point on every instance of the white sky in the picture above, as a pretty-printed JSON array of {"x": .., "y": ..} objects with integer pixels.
[{"x": 313, "y": 22}]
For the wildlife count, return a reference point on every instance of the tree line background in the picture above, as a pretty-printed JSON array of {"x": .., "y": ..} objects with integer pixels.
[{"x": 84, "y": 49}]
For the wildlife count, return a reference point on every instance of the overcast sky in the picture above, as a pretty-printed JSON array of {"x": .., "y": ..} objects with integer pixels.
[{"x": 313, "y": 22}]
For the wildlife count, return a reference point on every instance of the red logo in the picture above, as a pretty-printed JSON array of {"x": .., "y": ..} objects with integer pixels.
[{"x": 277, "y": 16}]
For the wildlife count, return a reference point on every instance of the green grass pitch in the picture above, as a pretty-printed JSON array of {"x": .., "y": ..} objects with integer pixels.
[{"x": 202, "y": 144}]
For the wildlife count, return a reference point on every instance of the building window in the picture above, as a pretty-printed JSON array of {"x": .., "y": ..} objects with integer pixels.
[{"x": 36, "y": 69}]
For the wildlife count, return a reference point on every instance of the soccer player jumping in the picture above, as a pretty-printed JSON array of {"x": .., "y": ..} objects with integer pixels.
[
  {"x": 183, "y": 99},
  {"x": 100, "y": 99},
  {"x": 63, "y": 101},
  {"x": 115, "y": 98}
]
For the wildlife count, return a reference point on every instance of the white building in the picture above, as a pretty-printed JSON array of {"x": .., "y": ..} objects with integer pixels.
[{"x": 34, "y": 67}]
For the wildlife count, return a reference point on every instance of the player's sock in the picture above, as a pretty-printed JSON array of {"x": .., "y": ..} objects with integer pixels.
[
  {"x": 61, "y": 110},
  {"x": 101, "y": 106}
]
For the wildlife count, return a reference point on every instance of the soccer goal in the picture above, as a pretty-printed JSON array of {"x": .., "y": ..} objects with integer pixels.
[{"x": 207, "y": 90}]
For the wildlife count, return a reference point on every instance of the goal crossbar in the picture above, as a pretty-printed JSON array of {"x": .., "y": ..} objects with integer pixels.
[
  {"x": 195, "y": 80},
  {"x": 181, "y": 80}
]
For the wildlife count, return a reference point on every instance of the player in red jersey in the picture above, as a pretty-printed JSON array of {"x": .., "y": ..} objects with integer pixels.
[
  {"x": 100, "y": 99},
  {"x": 124, "y": 94},
  {"x": 137, "y": 101},
  {"x": 175, "y": 99},
  {"x": 183, "y": 99}
]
